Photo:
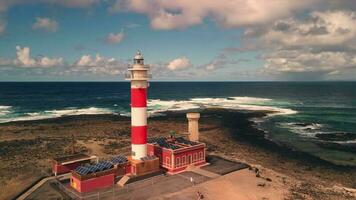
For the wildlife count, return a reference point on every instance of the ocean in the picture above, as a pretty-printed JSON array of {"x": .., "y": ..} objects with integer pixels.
[{"x": 314, "y": 117}]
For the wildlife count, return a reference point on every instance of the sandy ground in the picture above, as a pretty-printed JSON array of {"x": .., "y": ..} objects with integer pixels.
[{"x": 241, "y": 185}]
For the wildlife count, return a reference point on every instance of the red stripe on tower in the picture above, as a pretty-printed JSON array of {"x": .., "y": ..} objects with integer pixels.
[
  {"x": 139, "y": 135},
  {"x": 138, "y": 97}
]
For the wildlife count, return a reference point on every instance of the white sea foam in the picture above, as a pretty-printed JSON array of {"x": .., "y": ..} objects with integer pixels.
[
  {"x": 307, "y": 130},
  {"x": 236, "y": 103},
  {"x": 57, "y": 113},
  {"x": 4, "y": 110},
  {"x": 346, "y": 142}
]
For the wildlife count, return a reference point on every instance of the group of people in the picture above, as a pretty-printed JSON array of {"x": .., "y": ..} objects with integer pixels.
[{"x": 200, "y": 196}]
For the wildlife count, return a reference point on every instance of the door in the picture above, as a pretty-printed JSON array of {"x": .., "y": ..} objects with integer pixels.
[{"x": 133, "y": 169}]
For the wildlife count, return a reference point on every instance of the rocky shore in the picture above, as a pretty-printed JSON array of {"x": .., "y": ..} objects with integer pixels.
[{"x": 26, "y": 149}]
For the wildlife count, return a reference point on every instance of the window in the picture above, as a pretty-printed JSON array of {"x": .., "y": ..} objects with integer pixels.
[
  {"x": 178, "y": 161},
  {"x": 167, "y": 161},
  {"x": 183, "y": 160},
  {"x": 195, "y": 157},
  {"x": 200, "y": 155}
]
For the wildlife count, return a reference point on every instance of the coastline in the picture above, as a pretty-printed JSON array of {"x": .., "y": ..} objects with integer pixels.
[{"x": 228, "y": 133}]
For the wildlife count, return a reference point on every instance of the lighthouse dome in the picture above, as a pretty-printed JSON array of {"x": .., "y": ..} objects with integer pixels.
[{"x": 138, "y": 56}]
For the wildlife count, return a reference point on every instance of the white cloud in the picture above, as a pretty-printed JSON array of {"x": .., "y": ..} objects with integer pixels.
[
  {"x": 99, "y": 65},
  {"x": 322, "y": 43},
  {"x": 179, "y": 64},
  {"x": 24, "y": 59},
  {"x": 114, "y": 38},
  {"x": 319, "y": 29},
  {"x": 301, "y": 61},
  {"x": 46, "y": 24},
  {"x": 210, "y": 67},
  {"x": 228, "y": 13},
  {"x": 86, "y": 64}
]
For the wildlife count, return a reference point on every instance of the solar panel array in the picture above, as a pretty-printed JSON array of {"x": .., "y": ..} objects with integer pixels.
[
  {"x": 184, "y": 141},
  {"x": 88, "y": 169},
  {"x": 162, "y": 142},
  {"x": 118, "y": 160},
  {"x": 148, "y": 158}
]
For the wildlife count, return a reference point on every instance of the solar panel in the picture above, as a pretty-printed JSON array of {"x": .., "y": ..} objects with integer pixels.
[
  {"x": 119, "y": 159},
  {"x": 82, "y": 170},
  {"x": 100, "y": 166},
  {"x": 184, "y": 141},
  {"x": 79, "y": 169},
  {"x": 85, "y": 171}
]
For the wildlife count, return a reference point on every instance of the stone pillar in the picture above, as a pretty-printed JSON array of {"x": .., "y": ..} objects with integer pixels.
[{"x": 193, "y": 126}]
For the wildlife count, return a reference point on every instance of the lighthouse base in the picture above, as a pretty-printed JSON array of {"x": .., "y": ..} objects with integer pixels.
[{"x": 146, "y": 165}]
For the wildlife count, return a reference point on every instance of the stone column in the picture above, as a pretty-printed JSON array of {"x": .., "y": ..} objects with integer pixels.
[{"x": 193, "y": 126}]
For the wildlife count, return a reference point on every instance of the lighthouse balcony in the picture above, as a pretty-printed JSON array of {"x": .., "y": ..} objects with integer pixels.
[
  {"x": 139, "y": 68},
  {"x": 137, "y": 77}
]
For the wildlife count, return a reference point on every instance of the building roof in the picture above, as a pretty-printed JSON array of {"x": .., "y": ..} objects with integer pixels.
[
  {"x": 172, "y": 143},
  {"x": 88, "y": 169},
  {"x": 71, "y": 158},
  {"x": 101, "y": 166}
]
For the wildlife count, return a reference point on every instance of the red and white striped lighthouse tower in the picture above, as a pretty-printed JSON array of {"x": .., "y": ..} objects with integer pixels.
[{"x": 138, "y": 75}]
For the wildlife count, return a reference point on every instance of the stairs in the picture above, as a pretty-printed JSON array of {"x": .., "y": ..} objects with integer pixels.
[{"x": 123, "y": 180}]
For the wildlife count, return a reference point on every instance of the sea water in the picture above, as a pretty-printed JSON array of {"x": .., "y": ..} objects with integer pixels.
[{"x": 315, "y": 117}]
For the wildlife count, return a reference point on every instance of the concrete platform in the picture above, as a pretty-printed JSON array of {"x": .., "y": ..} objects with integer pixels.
[{"x": 222, "y": 166}]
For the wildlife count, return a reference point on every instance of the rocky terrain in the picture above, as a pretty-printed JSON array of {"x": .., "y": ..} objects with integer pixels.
[{"x": 26, "y": 149}]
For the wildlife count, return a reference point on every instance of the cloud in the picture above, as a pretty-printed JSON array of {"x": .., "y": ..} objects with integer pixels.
[
  {"x": 114, "y": 38},
  {"x": 227, "y": 13},
  {"x": 220, "y": 61},
  {"x": 301, "y": 61},
  {"x": 319, "y": 29},
  {"x": 99, "y": 65},
  {"x": 179, "y": 64},
  {"x": 46, "y": 24},
  {"x": 321, "y": 43},
  {"x": 24, "y": 59}
]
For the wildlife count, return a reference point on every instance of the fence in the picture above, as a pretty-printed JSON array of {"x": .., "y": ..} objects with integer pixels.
[{"x": 115, "y": 192}]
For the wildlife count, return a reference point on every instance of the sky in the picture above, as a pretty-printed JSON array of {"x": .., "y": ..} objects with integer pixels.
[{"x": 181, "y": 40}]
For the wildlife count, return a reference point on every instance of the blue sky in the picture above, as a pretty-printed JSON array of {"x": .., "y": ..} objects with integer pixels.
[{"x": 69, "y": 41}]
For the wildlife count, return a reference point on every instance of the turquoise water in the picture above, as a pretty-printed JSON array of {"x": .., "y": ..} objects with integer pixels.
[{"x": 314, "y": 117}]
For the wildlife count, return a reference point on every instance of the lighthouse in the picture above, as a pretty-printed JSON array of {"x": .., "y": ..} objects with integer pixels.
[{"x": 138, "y": 75}]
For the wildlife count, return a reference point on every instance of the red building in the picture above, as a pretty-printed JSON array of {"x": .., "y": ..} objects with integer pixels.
[
  {"x": 91, "y": 177},
  {"x": 65, "y": 164},
  {"x": 176, "y": 154}
]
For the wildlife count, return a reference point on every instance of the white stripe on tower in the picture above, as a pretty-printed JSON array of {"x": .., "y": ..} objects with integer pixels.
[
  {"x": 139, "y": 116},
  {"x": 140, "y": 151}
]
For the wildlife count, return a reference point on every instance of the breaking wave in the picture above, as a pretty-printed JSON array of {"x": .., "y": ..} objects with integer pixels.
[
  {"x": 56, "y": 114},
  {"x": 4, "y": 110},
  {"x": 303, "y": 129},
  {"x": 236, "y": 103},
  {"x": 156, "y": 107}
]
